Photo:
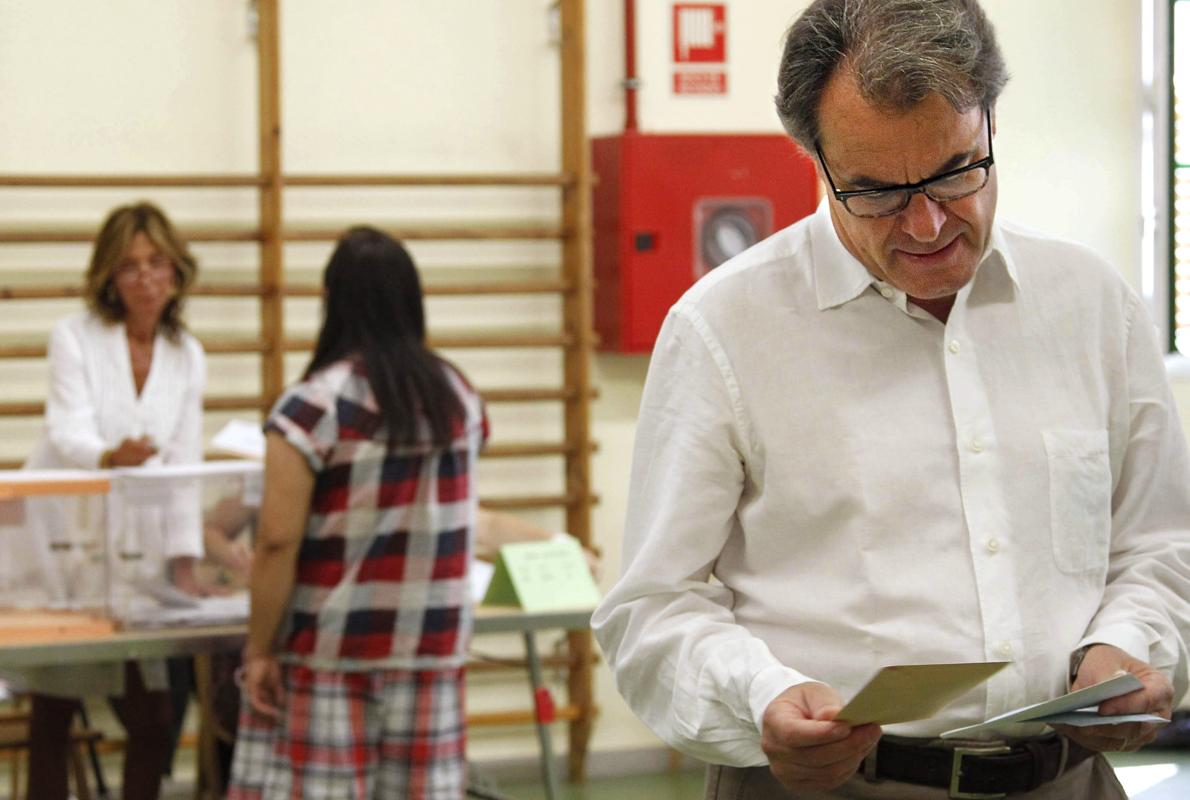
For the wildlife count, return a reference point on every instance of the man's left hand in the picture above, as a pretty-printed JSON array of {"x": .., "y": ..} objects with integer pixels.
[{"x": 1103, "y": 661}]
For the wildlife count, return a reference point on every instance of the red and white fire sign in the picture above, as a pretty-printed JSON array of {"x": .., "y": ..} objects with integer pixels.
[
  {"x": 700, "y": 33},
  {"x": 700, "y": 40}
]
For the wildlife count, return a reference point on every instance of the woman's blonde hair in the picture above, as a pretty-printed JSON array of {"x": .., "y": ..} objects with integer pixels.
[{"x": 111, "y": 244}]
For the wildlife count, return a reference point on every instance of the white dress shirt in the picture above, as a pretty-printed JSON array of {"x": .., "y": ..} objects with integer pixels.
[
  {"x": 93, "y": 405},
  {"x": 828, "y": 480}
]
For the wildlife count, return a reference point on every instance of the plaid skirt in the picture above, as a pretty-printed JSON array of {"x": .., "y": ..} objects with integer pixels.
[{"x": 357, "y": 735}]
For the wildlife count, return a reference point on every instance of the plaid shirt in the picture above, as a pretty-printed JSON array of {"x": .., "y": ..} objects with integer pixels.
[{"x": 382, "y": 571}]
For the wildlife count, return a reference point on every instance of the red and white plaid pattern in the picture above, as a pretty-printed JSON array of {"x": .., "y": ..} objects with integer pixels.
[
  {"x": 382, "y": 571},
  {"x": 357, "y": 736}
]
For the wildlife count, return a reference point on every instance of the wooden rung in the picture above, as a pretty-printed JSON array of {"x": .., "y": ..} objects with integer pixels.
[
  {"x": 492, "y": 451},
  {"x": 532, "y": 449},
  {"x": 526, "y": 450},
  {"x": 232, "y": 402},
  {"x": 118, "y": 181},
  {"x": 553, "y": 286},
  {"x": 466, "y": 341},
  {"x": 22, "y": 351},
  {"x": 35, "y": 408},
  {"x": 536, "y": 501},
  {"x": 444, "y": 179},
  {"x": 35, "y": 234},
  {"x": 251, "y": 290},
  {"x": 22, "y": 408},
  {"x": 39, "y": 292},
  {"x": 211, "y": 346},
  {"x": 529, "y": 395},
  {"x": 432, "y": 231},
  {"x": 62, "y": 292},
  {"x": 233, "y": 346},
  {"x": 501, "y": 287},
  {"x": 564, "y": 713}
]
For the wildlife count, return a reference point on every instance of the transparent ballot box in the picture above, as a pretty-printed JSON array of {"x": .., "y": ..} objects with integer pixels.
[
  {"x": 53, "y": 548},
  {"x": 147, "y": 546},
  {"x": 179, "y": 542}
]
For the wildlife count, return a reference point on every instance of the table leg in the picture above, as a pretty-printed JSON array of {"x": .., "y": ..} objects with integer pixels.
[{"x": 543, "y": 706}]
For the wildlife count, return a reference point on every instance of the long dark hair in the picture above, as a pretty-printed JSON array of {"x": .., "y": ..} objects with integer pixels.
[{"x": 374, "y": 312}]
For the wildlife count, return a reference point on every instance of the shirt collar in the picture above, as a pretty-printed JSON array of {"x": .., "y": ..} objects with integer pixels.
[{"x": 839, "y": 277}]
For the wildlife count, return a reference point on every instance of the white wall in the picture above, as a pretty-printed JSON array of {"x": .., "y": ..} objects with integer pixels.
[{"x": 168, "y": 85}]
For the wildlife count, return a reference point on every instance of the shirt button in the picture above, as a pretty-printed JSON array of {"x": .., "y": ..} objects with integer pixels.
[
  {"x": 954, "y": 346},
  {"x": 993, "y": 545},
  {"x": 1005, "y": 649},
  {"x": 976, "y": 444},
  {"x": 887, "y": 292}
]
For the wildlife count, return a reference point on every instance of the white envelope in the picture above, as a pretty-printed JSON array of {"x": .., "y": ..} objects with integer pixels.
[{"x": 1075, "y": 708}]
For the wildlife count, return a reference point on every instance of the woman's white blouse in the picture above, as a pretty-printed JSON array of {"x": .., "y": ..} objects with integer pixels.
[{"x": 92, "y": 405}]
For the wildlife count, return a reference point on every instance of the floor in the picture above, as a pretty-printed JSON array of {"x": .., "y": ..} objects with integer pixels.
[{"x": 1148, "y": 775}]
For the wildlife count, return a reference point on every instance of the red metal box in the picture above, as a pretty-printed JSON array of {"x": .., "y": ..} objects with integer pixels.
[{"x": 668, "y": 208}]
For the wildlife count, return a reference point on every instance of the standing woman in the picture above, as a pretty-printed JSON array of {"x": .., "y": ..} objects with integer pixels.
[
  {"x": 361, "y": 609},
  {"x": 126, "y": 384}
]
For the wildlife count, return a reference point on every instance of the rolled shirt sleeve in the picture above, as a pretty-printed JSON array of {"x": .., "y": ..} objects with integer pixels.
[{"x": 1146, "y": 607}]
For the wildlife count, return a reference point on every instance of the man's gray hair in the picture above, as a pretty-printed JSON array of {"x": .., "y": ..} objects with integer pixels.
[{"x": 899, "y": 51}]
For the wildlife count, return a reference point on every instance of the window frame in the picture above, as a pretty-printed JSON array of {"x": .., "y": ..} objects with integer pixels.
[{"x": 1159, "y": 273}]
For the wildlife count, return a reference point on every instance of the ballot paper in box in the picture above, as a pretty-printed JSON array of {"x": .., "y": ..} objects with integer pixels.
[
  {"x": 159, "y": 519},
  {"x": 53, "y": 547}
]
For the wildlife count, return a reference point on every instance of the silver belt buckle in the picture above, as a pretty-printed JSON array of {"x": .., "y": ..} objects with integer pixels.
[{"x": 956, "y": 770}]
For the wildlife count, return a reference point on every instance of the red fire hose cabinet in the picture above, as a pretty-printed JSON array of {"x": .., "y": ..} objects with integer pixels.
[{"x": 668, "y": 208}]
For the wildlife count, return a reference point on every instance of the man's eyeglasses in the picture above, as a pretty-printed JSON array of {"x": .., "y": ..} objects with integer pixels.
[{"x": 887, "y": 200}]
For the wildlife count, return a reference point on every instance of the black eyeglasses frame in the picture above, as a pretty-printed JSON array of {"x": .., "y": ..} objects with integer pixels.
[{"x": 910, "y": 189}]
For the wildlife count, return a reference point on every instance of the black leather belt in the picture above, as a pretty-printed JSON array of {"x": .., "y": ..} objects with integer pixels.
[{"x": 974, "y": 770}]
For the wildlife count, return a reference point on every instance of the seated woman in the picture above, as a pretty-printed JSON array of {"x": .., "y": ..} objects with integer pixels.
[{"x": 126, "y": 384}]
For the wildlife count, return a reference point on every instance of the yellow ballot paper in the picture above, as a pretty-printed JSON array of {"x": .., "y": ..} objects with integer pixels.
[
  {"x": 542, "y": 576},
  {"x": 914, "y": 691}
]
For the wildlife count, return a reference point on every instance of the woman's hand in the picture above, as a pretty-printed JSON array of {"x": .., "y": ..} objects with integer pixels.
[
  {"x": 237, "y": 558},
  {"x": 261, "y": 684},
  {"x": 232, "y": 554},
  {"x": 182, "y": 575},
  {"x": 130, "y": 453}
]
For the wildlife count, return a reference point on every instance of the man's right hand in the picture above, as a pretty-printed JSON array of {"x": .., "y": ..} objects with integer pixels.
[{"x": 807, "y": 749}]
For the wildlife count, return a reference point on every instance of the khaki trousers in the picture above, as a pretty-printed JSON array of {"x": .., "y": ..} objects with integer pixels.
[{"x": 1093, "y": 779}]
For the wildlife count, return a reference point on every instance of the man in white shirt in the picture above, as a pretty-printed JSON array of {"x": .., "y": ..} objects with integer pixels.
[{"x": 901, "y": 432}]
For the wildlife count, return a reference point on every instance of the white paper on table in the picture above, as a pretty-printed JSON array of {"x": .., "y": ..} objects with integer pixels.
[
  {"x": 480, "y": 575},
  {"x": 1055, "y": 711},
  {"x": 228, "y": 610},
  {"x": 241, "y": 437},
  {"x": 165, "y": 593}
]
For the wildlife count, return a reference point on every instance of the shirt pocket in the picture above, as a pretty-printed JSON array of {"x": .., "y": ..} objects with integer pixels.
[{"x": 1080, "y": 499}]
